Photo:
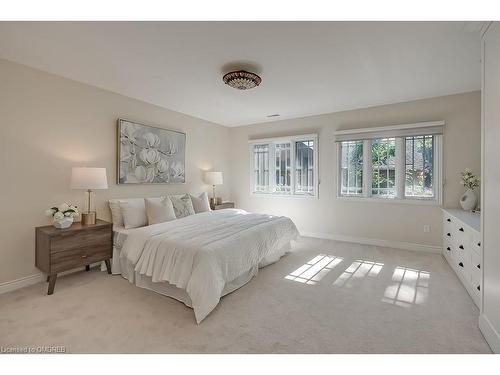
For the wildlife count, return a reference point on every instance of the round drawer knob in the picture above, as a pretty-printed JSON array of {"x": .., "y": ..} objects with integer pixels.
[
  {"x": 479, "y": 266},
  {"x": 448, "y": 234},
  {"x": 479, "y": 287},
  {"x": 461, "y": 229},
  {"x": 461, "y": 247},
  {"x": 461, "y": 264},
  {"x": 448, "y": 248},
  {"x": 448, "y": 220}
]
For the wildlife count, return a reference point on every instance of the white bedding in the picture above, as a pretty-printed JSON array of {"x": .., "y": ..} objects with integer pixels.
[{"x": 201, "y": 253}]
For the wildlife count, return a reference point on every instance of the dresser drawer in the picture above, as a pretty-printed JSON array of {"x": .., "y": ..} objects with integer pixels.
[
  {"x": 462, "y": 265},
  {"x": 476, "y": 244},
  {"x": 476, "y": 266},
  {"x": 448, "y": 226},
  {"x": 84, "y": 238},
  {"x": 451, "y": 249},
  {"x": 73, "y": 258},
  {"x": 448, "y": 248},
  {"x": 462, "y": 237}
]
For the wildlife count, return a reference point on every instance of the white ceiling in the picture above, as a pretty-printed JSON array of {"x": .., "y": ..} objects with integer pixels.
[{"x": 307, "y": 68}]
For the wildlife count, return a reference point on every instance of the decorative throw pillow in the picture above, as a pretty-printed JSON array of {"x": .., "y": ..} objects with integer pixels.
[
  {"x": 159, "y": 210},
  {"x": 182, "y": 206},
  {"x": 134, "y": 213},
  {"x": 201, "y": 203}
]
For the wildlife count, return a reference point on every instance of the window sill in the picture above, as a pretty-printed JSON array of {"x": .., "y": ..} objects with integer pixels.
[{"x": 415, "y": 201}]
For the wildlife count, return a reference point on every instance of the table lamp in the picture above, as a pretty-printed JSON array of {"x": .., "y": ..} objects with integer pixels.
[
  {"x": 214, "y": 178},
  {"x": 89, "y": 179}
]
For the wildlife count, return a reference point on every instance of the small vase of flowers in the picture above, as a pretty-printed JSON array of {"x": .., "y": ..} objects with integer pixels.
[
  {"x": 62, "y": 215},
  {"x": 468, "y": 201}
]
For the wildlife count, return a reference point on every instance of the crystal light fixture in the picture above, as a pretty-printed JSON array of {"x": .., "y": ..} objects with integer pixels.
[{"x": 242, "y": 80}]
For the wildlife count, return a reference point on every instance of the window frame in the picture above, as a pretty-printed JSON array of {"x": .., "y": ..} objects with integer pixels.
[
  {"x": 272, "y": 179},
  {"x": 339, "y": 175},
  {"x": 400, "y": 169}
]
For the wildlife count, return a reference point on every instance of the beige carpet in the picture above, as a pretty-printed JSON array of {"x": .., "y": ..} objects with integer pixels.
[{"x": 348, "y": 299}]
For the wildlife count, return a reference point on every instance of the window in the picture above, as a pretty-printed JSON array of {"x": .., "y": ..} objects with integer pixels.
[
  {"x": 261, "y": 167},
  {"x": 284, "y": 166},
  {"x": 383, "y": 167},
  {"x": 352, "y": 168},
  {"x": 419, "y": 166},
  {"x": 391, "y": 163},
  {"x": 304, "y": 167}
]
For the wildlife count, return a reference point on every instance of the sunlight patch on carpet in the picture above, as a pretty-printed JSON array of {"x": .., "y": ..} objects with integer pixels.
[{"x": 314, "y": 270}]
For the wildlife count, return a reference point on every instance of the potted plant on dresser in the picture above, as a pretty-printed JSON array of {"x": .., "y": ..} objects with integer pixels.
[
  {"x": 468, "y": 201},
  {"x": 62, "y": 215}
]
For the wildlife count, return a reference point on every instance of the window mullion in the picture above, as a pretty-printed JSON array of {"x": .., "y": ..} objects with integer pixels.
[
  {"x": 339, "y": 169},
  {"x": 272, "y": 168},
  {"x": 348, "y": 153},
  {"x": 400, "y": 168},
  {"x": 367, "y": 167},
  {"x": 437, "y": 165},
  {"x": 252, "y": 170},
  {"x": 292, "y": 166}
]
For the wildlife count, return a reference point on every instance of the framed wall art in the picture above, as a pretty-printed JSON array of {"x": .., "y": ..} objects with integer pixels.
[{"x": 150, "y": 155}]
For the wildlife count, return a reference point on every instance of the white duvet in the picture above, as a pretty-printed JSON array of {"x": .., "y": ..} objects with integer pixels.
[{"x": 201, "y": 253}]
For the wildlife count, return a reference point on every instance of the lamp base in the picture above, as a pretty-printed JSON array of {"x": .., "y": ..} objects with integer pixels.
[
  {"x": 215, "y": 201},
  {"x": 88, "y": 218}
]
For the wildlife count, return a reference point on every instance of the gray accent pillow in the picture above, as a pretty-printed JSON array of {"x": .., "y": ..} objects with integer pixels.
[
  {"x": 201, "y": 203},
  {"x": 182, "y": 206}
]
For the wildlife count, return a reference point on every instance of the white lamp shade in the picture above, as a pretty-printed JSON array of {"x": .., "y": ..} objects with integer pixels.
[
  {"x": 89, "y": 178},
  {"x": 213, "y": 178}
]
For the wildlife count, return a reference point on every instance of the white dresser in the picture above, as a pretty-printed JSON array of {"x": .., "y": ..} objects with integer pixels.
[{"x": 462, "y": 248}]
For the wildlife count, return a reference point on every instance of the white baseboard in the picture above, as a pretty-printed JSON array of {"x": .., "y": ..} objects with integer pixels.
[
  {"x": 490, "y": 333},
  {"x": 9, "y": 286},
  {"x": 377, "y": 242},
  {"x": 20, "y": 283}
]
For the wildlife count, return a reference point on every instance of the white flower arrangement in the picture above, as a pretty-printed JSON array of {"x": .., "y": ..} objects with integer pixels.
[
  {"x": 469, "y": 180},
  {"x": 63, "y": 210}
]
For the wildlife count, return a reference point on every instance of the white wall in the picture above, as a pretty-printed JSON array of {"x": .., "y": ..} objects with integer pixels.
[
  {"x": 490, "y": 317},
  {"x": 50, "y": 124},
  {"x": 387, "y": 221}
]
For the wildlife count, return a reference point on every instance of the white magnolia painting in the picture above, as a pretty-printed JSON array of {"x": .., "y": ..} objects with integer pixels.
[{"x": 149, "y": 155}]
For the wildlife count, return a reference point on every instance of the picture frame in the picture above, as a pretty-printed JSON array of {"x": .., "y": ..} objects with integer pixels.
[{"x": 149, "y": 154}]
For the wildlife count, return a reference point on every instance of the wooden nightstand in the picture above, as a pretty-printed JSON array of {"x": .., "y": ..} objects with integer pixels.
[
  {"x": 223, "y": 205},
  {"x": 59, "y": 250}
]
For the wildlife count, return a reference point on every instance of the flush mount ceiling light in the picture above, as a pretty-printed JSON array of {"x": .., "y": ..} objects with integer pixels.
[{"x": 242, "y": 80}]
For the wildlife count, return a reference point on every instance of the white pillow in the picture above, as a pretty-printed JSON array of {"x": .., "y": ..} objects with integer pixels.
[
  {"x": 134, "y": 213},
  {"x": 159, "y": 210},
  {"x": 116, "y": 212},
  {"x": 201, "y": 203},
  {"x": 182, "y": 206}
]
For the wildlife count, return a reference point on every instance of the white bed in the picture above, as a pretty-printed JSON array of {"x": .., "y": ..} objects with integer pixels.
[{"x": 200, "y": 258}]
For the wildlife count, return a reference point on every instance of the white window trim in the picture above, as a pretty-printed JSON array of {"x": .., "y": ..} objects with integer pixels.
[
  {"x": 400, "y": 198},
  {"x": 292, "y": 140},
  {"x": 391, "y": 129}
]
